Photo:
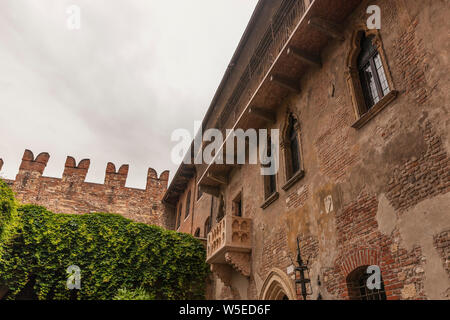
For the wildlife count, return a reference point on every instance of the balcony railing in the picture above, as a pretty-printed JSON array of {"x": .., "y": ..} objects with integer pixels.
[
  {"x": 277, "y": 34},
  {"x": 280, "y": 29},
  {"x": 232, "y": 234}
]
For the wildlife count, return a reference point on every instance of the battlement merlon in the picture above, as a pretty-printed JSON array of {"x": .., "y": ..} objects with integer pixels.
[
  {"x": 154, "y": 182},
  {"x": 29, "y": 163},
  {"x": 74, "y": 172},
  {"x": 73, "y": 194},
  {"x": 116, "y": 178}
]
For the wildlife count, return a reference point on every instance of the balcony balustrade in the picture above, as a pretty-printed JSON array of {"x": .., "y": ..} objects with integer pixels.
[{"x": 231, "y": 236}]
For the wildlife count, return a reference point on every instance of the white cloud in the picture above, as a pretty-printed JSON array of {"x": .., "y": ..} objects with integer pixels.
[{"x": 115, "y": 89}]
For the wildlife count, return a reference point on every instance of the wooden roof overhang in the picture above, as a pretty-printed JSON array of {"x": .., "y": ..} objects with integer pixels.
[
  {"x": 184, "y": 174},
  {"x": 320, "y": 23}
]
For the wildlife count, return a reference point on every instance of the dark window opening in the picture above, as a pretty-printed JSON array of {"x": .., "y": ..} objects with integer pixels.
[
  {"x": 179, "y": 216},
  {"x": 270, "y": 181},
  {"x": 221, "y": 208},
  {"x": 357, "y": 286},
  {"x": 237, "y": 206},
  {"x": 199, "y": 193},
  {"x": 197, "y": 233},
  {"x": 188, "y": 204},
  {"x": 293, "y": 154},
  {"x": 371, "y": 72},
  {"x": 207, "y": 227}
]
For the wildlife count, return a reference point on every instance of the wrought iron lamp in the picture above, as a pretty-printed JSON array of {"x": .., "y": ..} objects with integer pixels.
[{"x": 302, "y": 280}]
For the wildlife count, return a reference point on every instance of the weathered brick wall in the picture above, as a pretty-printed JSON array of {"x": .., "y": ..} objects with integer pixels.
[
  {"x": 377, "y": 195},
  {"x": 336, "y": 153},
  {"x": 275, "y": 251},
  {"x": 410, "y": 54},
  {"x": 71, "y": 194},
  {"x": 360, "y": 243},
  {"x": 297, "y": 198},
  {"x": 442, "y": 245},
  {"x": 423, "y": 177}
]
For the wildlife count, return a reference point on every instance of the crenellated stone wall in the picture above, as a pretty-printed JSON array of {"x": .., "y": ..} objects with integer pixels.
[{"x": 71, "y": 194}]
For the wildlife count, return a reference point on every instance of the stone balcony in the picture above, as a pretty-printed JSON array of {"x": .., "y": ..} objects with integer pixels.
[{"x": 230, "y": 244}]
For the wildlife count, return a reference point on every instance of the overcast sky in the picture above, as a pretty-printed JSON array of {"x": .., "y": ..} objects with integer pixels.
[{"x": 115, "y": 89}]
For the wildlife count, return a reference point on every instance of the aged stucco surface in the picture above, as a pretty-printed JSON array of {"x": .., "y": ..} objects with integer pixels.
[
  {"x": 426, "y": 219},
  {"x": 378, "y": 194}
]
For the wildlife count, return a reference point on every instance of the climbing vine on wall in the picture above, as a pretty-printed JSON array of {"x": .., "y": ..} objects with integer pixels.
[{"x": 37, "y": 246}]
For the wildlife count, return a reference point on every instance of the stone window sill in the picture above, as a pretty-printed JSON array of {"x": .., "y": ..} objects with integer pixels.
[
  {"x": 270, "y": 200},
  {"x": 375, "y": 109},
  {"x": 293, "y": 180}
]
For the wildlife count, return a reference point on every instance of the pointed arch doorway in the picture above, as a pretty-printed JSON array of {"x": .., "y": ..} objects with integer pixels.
[{"x": 278, "y": 286}]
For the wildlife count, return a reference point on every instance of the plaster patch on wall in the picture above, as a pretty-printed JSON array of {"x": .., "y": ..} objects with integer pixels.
[
  {"x": 328, "y": 204},
  {"x": 386, "y": 216},
  {"x": 290, "y": 269},
  {"x": 417, "y": 227},
  {"x": 409, "y": 291},
  {"x": 258, "y": 283}
]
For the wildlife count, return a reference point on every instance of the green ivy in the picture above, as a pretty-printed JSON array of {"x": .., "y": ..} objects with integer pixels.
[
  {"x": 37, "y": 246},
  {"x": 136, "y": 294}
]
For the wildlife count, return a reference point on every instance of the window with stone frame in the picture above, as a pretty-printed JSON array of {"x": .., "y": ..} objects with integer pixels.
[
  {"x": 237, "y": 205},
  {"x": 368, "y": 76},
  {"x": 373, "y": 79},
  {"x": 293, "y": 147},
  {"x": 358, "y": 289},
  {"x": 188, "y": 205},
  {"x": 292, "y": 151}
]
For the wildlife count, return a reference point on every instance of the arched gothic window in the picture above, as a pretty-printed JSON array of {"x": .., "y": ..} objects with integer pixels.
[
  {"x": 294, "y": 146},
  {"x": 291, "y": 147},
  {"x": 368, "y": 76},
  {"x": 371, "y": 72}
]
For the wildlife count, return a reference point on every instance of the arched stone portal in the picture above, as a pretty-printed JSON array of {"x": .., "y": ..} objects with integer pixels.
[{"x": 278, "y": 286}]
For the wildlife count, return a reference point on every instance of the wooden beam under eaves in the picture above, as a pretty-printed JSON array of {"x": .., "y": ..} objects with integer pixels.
[
  {"x": 187, "y": 173},
  {"x": 215, "y": 191},
  {"x": 304, "y": 57},
  {"x": 178, "y": 190},
  {"x": 264, "y": 114},
  {"x": 217, "y": 178},
  {"x": 285, "y": 82},
  {"x": 327, "y": 28}
]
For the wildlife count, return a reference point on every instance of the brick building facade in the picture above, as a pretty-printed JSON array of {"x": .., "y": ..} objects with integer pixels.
[
  {"x": 71, "y": 194},
  {"x": 364, "y": 174}
]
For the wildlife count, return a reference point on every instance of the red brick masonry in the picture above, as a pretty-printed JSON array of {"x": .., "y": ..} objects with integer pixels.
[{"x": 71, "y": 194}]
